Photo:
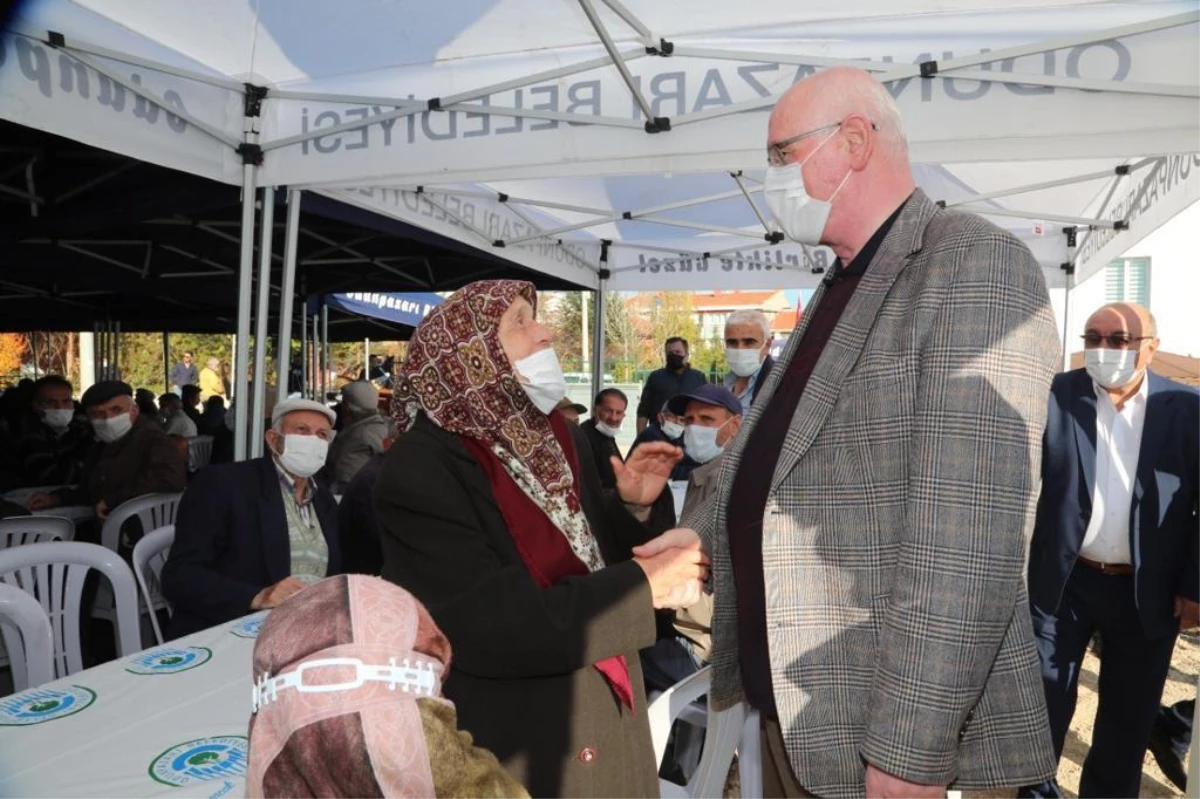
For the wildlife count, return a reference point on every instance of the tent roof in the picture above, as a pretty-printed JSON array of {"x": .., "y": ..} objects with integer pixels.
[{"x": 157, "y": 249}]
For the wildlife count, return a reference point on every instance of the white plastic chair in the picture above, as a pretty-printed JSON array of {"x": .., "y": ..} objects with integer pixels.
[
  {"x": 25, "y": 630},
  {"x": 199, "y": 452},
  {"x": 153, "y": 511},
  {"x": 54, "y": 574},
  {"x": 19, "y": 530},
  {"x": 149, "y": 557},
  {"x": 731, "y": 730}
]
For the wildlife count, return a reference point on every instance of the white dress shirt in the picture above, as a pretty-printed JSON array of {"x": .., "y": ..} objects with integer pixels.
[{"x": 1118, "y": 441}]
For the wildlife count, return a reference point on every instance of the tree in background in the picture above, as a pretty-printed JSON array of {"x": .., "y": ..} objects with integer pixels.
[
  {"x": 13, "y": 349},
  {"x": 623, "y": 338},
  {"x": 670, "y": 313}
]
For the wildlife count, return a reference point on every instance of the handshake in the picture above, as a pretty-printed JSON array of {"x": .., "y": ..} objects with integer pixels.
[{"x": 676, "y": 567}]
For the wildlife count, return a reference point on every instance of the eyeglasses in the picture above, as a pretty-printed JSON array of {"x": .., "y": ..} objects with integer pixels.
[
  {"x": 777, "y": 154},
  {"x": 1116, "y": 341}
]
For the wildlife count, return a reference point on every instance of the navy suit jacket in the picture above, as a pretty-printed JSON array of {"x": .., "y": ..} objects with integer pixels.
[
  {"x": 1164, "y": 538},
  {"x": 231, "y": 541}
]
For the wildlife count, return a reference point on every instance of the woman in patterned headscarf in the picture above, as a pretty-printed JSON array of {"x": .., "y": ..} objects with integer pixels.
[{"x": 492, "y": 518}]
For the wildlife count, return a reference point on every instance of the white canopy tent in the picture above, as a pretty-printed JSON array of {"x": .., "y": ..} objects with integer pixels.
[{"x": 621, "y": 146}]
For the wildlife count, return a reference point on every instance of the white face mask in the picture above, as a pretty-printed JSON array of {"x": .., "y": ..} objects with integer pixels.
[
  {"x": 58, "y": 418},
  {"x": 700, "y": 442},
  {"x": 303, "y": 456},
  {"x": 542, "y": 378},
  {"x": 112, "y": 429},
  {"x": 607, "y": 430},
  {"x": 1112, "y": 368},
  {"x": 743, "y": 363},
  {"x": 672, "y": 430},
  {"x": 800, "y": 217}
]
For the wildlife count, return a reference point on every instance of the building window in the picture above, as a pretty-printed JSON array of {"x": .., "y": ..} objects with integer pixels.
[{"x": 1128, "y": 280}]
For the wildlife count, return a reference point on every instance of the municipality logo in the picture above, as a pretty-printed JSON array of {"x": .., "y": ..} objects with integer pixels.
[
  {"x": 167, "y": 660},
  {"x": 40, "y": 705},
  {"x": 202, "y": 760},
  {"x": 249, "y": 628}
]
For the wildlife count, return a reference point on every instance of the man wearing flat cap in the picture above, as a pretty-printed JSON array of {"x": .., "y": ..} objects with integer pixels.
[
  {"x": 361, "y": 435},
  {"x": 249, "y": 535},
  {"x": 132, "y": 457}
]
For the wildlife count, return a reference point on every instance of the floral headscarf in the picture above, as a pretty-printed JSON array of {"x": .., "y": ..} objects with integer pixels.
[{"x": 458, "y": 374}]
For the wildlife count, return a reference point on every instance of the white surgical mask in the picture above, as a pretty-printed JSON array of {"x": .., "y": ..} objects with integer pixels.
[
  {"x": 542, "y": 378},
  {"x": 58, "y": 418},
  {"x": 303, "y": 456},
  {"x": 743, "y": 363},
  {"x": 672, "y": 430},
  {"x": 700, "y": 442},
  {"x": 801, "y": 217},
  {"x": 607, "y": 430},
  {"x": 1112, "y": 368},
  {"x": 112, "y": 429}
]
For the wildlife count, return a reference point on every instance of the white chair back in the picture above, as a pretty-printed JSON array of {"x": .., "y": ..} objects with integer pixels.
[
  {"x": 734, "y": 729},
  {"x": 149, "y": 557},
  {"x": 54, "y": 574},
  {"x": 199, "y": 452},
  {"x": 25, "y": 628},
  {"x": 19, "y": 530},
  {"x": 153, "y": 510}
]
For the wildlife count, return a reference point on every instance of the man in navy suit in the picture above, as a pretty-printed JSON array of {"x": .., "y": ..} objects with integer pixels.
[
  {"x": 249, "y": 535},
  {"x": 1114, "y": 549}
]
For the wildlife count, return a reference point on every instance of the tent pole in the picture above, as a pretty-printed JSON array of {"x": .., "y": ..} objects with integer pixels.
[
  {"x": 304, "y": 350},
  {"x": 367, "y": 359},
  {"x": 87, "y": 360},
  {"x": 1066, "y": 349},
  {"x": 598, "y": 336},
  {"x": 584, "y": 332},
  {"x": 267, "y": 229},
  {"x": 324, "y": 352},
  {"x": 245, "y": 286},
  {"x": 117, "y": 351},
  {"x": 166, "y": 341},
  {"x": 34, "y": 336},
  {"x": 283, "y": 368}
]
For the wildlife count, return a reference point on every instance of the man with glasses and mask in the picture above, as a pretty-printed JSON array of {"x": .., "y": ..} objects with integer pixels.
[
  {"x": 249, "y": 535},
  {"x": 133, "y": 455},
  {"x": 677, "y": 377},
  {"x": 1115, "y": 546},
  {"x": 870, "y": 521}
]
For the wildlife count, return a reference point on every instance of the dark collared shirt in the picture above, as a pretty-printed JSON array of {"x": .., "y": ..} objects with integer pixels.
[{"x": 752, "y": 482}]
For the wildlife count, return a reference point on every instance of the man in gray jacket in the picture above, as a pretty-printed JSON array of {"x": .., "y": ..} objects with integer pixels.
[
  {"x": 869, "y": 529},
  {"x": 362, "y": 434}
]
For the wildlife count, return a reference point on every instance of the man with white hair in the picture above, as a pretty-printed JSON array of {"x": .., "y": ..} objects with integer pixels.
[
  {"x": 869, "y": 527},
  {"x": 747, "y": 346},
  {"x": 362, "y": 434},
  {"x": 249, "y": 535}
]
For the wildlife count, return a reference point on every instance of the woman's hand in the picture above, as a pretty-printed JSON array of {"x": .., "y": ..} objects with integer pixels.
[
  {"x": 644, "y": 476},
  {"x": 676, "y": 567}
]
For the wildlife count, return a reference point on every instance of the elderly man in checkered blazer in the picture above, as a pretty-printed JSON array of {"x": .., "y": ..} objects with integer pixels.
[{"x": 869, "y": 530}]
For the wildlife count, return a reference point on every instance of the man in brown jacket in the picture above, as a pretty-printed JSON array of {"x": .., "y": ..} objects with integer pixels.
[{"x": 133, "y": 455}]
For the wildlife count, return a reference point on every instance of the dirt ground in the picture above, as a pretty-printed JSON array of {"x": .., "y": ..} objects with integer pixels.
[{"x": 1181, "y": 684}]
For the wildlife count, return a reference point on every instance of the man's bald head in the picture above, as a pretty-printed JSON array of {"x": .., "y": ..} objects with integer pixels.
[
  {"x": 1128, "y": 317},
  {"x": 856, "y": 156}
]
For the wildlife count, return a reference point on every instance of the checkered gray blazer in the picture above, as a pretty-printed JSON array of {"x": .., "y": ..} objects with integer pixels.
[{"x": 896, "y": 529}]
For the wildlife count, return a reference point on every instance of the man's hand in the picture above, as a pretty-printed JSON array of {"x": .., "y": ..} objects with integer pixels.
[
  {"x": 1188, "y": 613},
  {"x": 101, "y": 510},
  {"x": 274, "y": 595},
  {"x": 881, "y": 785},
  {"x": 644, "y": 476},
  {"x": 675, "y": 576},
  {"x": 42, "y": 501},
  {"x": 677, "y": 538}
]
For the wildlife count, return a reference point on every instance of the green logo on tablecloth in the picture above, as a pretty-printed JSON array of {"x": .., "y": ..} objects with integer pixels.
[
  {"x": 201, "y": 760},
  {"x": 167, "y": 660},
  {"x": 40, "y": 705}
]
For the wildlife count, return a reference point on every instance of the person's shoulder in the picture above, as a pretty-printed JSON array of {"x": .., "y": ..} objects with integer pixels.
[{"x": 1165, "y": 386}]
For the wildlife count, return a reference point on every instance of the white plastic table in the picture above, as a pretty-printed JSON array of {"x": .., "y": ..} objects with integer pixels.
[
  {"x": 169, "y": 721},
  {"x": 76, "y": 513}
]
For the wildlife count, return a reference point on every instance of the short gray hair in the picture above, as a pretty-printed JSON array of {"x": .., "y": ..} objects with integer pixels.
[{"x": 750, "y": 317}]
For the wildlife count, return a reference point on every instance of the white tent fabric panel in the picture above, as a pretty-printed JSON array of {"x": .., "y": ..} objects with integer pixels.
[{"x": 506, "y": 122}]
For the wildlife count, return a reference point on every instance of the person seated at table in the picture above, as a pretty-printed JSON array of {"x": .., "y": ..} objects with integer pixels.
[
  {"x": 492, "y": 514},
  {"x": 248, "y": 535},
  {"x": 190, "y": 395},
  {"x": 213, "y": 418},
  {"x": 55, "y": 441},
  {"x": 144, "y": 399},
  {"x": 133, "y": 456},
  {"x": 362, "y": 434},
  {"x": 174, "y": 421},
  {"x": 381, "y": 737}
]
